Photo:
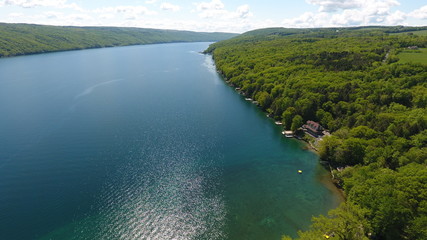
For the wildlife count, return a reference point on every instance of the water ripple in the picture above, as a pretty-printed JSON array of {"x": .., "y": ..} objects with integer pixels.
[{"x": 163, "y": 194}]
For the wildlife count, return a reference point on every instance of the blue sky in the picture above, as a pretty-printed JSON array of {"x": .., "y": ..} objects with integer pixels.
[{"x": 215, "y": 15}]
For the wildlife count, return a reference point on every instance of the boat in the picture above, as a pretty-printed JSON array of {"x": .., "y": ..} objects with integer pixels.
[{"x": 288, "y": 134}]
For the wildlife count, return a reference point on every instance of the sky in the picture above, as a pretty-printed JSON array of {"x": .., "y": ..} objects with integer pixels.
[{"x": 215, "y": 15}]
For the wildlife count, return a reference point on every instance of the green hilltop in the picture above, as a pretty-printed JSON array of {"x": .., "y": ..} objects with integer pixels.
[
  {"x": 368, "y": 86},
  {"x": 22, "y": 39}
]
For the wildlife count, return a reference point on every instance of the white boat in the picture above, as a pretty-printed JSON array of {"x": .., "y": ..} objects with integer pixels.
[{"x": 288, "y": 134}]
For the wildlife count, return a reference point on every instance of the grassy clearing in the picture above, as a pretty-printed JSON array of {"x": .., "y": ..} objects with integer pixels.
[
  {"x": 415, "y": 56},
  {"x": 419, "y": 33}
]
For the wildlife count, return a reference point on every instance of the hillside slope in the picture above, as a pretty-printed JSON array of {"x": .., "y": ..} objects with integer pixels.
[
  {"x": 352, "y": 82},
  {"x": 21, "y": 39}
]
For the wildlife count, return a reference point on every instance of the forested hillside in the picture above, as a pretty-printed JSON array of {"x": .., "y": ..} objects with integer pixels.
[
  {"x": 352, "y": 82},
  {"x": 21, "y": 39}
]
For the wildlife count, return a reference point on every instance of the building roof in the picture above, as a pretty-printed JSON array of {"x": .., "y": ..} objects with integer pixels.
[{"x": 314, "y": 126}]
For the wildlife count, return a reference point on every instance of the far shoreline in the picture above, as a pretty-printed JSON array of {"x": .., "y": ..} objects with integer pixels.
[
  {"x": 94, "y": 48},
  {"x": 21, "y": 39}
]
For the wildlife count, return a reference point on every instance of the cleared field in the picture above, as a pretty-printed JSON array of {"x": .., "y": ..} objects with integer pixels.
[
  {"x": 415, "y": 56},
  {"x": 419, "y": 33}
]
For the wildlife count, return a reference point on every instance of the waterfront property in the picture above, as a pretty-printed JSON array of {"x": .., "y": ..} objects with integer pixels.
[{"x": 313, "y": 128}]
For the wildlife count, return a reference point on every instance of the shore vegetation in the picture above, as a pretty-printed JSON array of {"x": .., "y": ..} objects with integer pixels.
[
  {"x": 358, "y": 83},
  {"x": 23, "y": 39}
]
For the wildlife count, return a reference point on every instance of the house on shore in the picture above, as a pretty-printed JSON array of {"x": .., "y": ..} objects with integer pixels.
[{"x": 313, "y": 128}]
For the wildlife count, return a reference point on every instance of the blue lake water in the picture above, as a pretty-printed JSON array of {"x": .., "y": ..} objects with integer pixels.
[{"x": 145, "y": 142}]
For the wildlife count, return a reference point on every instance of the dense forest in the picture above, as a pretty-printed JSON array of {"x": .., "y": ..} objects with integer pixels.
[
  {"x": 351, "y": 81},
  {"x": 21, "y": 39}
]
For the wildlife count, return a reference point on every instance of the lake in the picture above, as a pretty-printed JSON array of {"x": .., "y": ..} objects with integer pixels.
[{"x": 145, "y": 142}]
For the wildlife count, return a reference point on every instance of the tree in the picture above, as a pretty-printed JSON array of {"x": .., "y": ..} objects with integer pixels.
[
  {"x": 287, "y": 117},
  {"x": 264, "y": 99},
  {"x": 397, "y": 199},
  {"x": 328, "y": 147},
  {"x": 363, "y": 132},
  {"x": 297, "y": 122},
  {"x": 324, "y": 117},
  {"x": 347, "y": 222},
  {"x": 350, "y": 152}
]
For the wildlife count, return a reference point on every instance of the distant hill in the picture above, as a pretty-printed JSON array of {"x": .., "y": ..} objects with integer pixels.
[
  {"x": 308, "y": 34},
  {"x": 322, "y": 32},
  {"x": 22, "y": 39}
]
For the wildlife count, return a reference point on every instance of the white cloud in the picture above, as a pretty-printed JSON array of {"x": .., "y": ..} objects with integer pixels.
[
  {"x": 128, "y": 12},
  {"x": 170, "y": 7},
  {"x": 336, "y": 5},
  {"x": 216, "y": 9},
  {"x": 243, "y": 11},
  {"x": 379, "y": 7},
  {"x": 213, "y": 5},
  {"x": 58, "y": 18},
  {"x": 195, "y": 25},
  {"x": 420, "y": 13},
  {"x": 307, "y": 19},
  {"x": 53, "y": 15},
  {"x": 107, "y": 16},
  {"x": 16, "y": 15},
  {"x": 356, "y": 17},
  {"x": 207, "y": 15},
  {"x": 50, "y": 18},
  {"x": 78, "y": 19},
  {"x": 396, "y": 18},
  {"x": 34, "y": 3},
  {"x": 41, "y": 3},
  {"x": 340, "y": 13}
]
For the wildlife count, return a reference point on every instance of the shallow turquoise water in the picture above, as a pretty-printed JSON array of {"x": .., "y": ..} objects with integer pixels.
[{"x": 144, "y": 142}]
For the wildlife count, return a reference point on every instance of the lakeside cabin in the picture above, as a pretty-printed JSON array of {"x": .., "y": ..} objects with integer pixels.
[{"x": 313, "y": 128}]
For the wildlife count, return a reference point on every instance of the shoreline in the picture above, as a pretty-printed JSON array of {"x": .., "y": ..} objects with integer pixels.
[
  {"x": 94, "y": 48},
  {"x": 328, "y": 182},
  {"x": 326, "y": 179}
]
